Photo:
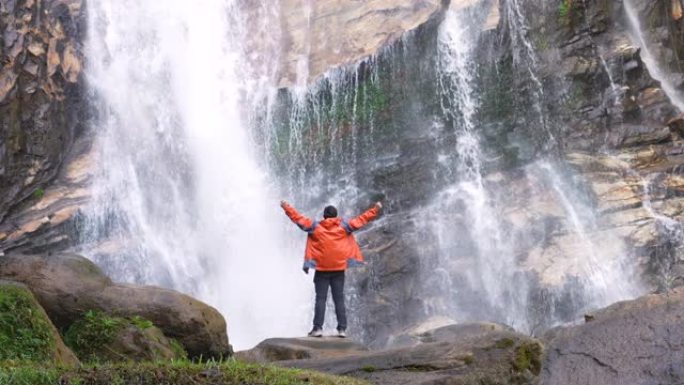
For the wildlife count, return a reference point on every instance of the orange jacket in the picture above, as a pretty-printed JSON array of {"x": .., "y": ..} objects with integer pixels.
[{"x": 330, "y": 245}]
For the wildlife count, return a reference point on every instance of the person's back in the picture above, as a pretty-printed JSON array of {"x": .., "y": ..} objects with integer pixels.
[{"x": 330, "y": 249}]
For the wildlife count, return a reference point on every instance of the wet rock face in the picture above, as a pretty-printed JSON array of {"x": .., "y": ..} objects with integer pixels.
[
  {"x": 318, "y": 35},
  {"x": 635, "y": 342},
  {"x": 40, "y": 78}
]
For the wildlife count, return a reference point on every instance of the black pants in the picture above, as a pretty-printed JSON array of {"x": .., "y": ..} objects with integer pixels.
[{"x": 334, "y": 279}]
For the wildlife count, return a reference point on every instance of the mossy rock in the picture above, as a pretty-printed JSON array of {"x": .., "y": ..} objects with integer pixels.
[
  {"x": 26, "y": 332},
  {"x": 98, "y": 337},
  {"x": 66, "y": 285}
]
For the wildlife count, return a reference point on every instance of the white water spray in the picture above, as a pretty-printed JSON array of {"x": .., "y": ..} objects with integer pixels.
[
  {"x": 493, "y": 270},
  {"x": 652, "y": 63},
  {"x": 180, "y": 192}
]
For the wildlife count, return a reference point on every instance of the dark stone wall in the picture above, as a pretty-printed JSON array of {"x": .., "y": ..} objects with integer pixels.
[{"x": 41, "y": 96}]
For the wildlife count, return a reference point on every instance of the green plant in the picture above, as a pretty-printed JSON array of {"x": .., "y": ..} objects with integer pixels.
[
  {"x": 564, "y": 9},
  {"x": 504, "y": 343},
  {"x": 528, "y": 357},
  {"x": 368, "y": 368},
  {"x": 39, "y": 193},
  {"x": 141, "y": 323},
  {"x": 89, "y": 334},
  {"x": 25, "y": 331}
]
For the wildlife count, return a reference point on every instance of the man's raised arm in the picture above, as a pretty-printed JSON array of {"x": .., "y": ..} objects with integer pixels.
[
  {"x": 304, "y": 223},
  {"x": 363, "y": 219}
]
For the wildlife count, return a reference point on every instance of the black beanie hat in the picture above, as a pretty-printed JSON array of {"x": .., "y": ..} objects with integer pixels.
[{"x": 330, "y": 212}]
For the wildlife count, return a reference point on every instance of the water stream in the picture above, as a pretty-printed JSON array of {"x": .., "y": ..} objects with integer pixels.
[{"x": 181, "y": 194}]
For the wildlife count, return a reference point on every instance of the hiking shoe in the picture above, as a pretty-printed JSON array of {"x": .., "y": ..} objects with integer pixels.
[
  {"x": 342, "y": 334},
  {"x": 315, "y": 332}
]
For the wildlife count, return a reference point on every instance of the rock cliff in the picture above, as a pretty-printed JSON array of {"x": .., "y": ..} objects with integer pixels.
[{"x": 41, "y": 78}]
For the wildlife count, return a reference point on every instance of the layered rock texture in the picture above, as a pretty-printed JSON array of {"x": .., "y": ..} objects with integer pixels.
[{"x": 41, "y": 109}]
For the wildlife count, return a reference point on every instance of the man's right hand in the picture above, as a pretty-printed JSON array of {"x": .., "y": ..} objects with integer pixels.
[
  {"x": 378, "y": 205},
  {"x": 283, "y": 204},
  {"x": 306, "y": 270}
]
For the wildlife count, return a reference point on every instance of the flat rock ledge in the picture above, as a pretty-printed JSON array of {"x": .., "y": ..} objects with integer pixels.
[{"x": 478, "y": 353}]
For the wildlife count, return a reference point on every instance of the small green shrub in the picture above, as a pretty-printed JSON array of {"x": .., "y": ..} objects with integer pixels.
[
  {"x": 25, "y": 331},
  {"x": 528, "y": 357},
  {"x": 88, "y": 335}
]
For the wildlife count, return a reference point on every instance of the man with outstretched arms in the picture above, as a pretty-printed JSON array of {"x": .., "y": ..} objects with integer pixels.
[{"x": 330, "y": 249}]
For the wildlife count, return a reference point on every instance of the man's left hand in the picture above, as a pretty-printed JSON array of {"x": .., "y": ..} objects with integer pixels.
[{"x": 306, "y": 270}]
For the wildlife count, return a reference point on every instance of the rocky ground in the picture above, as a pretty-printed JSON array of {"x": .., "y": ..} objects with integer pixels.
[{"x": 635, "y": 342}]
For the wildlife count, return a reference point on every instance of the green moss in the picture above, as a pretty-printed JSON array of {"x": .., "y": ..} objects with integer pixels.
[
  {"x": 504, "y": 343},
  {"x": 25, "y": 331},
  {"x": 469, "y": 359},
  {"x": 368, "y": 368},
  {"x": 177, "y": 373},
  {"x": 528, "y": 357}
]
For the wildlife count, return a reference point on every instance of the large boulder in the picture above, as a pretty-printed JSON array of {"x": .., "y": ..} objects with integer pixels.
[
  {"x": 26, "y": 332},
  {"x": 68, "y": 285},
  {"x": 457, "y": 354},
  {"x": 632, "y": 342}
]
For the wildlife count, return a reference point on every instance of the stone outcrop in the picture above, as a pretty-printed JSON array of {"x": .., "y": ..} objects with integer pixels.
[
  {"x": 69, "y": 285},
  {"x": 634, "y": 342},
  {"x": 458, "y": 354},
  {"x": 41, "y": 109}
]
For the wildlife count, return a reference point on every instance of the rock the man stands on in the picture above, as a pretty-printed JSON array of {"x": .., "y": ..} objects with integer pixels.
[{"x": 330, "y": 249}]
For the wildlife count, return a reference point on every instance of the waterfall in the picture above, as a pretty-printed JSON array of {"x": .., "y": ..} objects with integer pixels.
[
  {"x": 182, "y": 198},
  {"x": 652, "y": 63},
  {"x": 486, "y": 266},
  {"x": 492, "y": 271}
]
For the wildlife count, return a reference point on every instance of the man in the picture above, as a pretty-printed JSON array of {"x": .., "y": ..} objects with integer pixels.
[{"x": 330, "y": 249}]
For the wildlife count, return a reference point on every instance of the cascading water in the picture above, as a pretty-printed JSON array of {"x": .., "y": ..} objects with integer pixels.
[
  {"x": 491, "y": 270},
  {"x": 181, "y": 198},
  {"x": 480, "y": 274},
  {"x": 652, "y": 63}
]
